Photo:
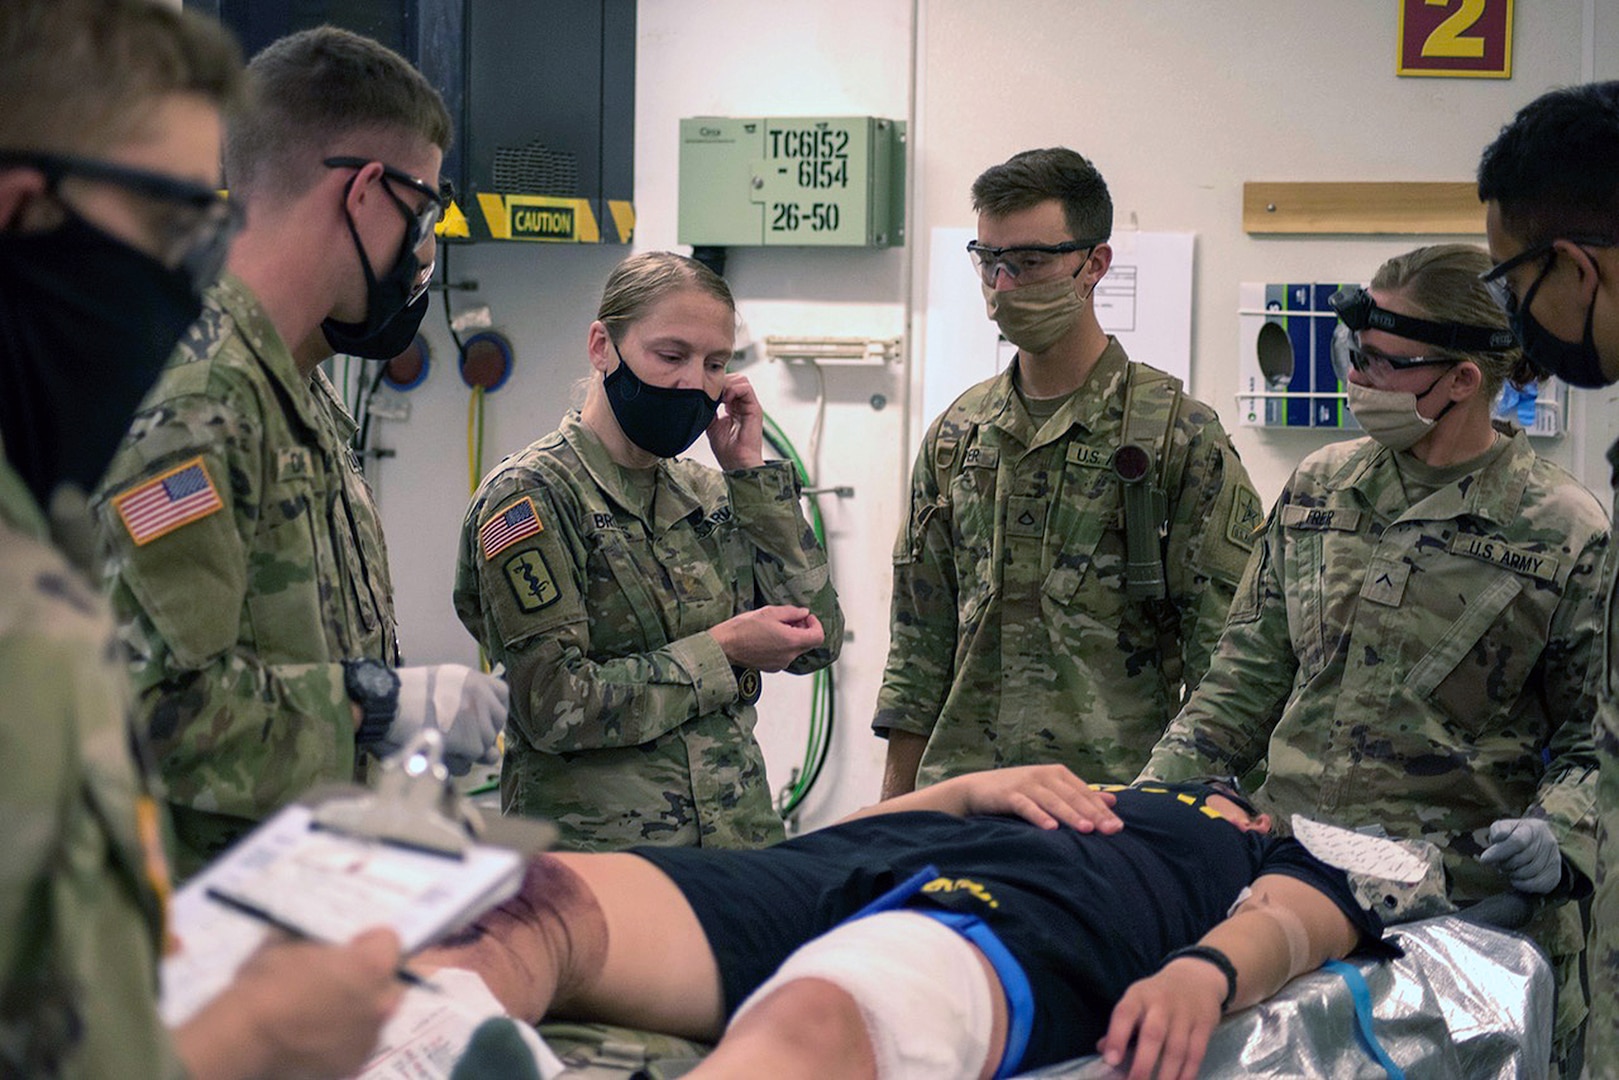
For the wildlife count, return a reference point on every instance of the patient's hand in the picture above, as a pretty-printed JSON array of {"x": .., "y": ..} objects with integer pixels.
[
  {"x": 1171, "y": 1016},
  {"x": 1046, "y": 795}
]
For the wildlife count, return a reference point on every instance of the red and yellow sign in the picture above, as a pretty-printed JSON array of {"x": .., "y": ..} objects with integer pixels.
[{"x": 1469, "y": 39}]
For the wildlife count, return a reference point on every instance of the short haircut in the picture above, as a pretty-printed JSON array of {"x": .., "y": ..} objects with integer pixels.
[
  {"x": 640, "y": 281},
  {"x": 316, "y": 90},
  {"x": 1442, "y": 283},
  {"x": 1554, "y": 170},
  {"x": 1035, "y": 176},
  {"x": 81, "y": 76}
]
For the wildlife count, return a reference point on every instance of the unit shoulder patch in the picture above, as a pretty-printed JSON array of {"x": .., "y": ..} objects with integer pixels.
[
  {"x": 1246, "y": 520},
  {"x": 158, "y": 506},
  {"x": 531, "y": 581}
]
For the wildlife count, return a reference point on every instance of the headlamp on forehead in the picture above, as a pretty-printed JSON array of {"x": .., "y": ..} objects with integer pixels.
[{"x": 1358, "y": 311}]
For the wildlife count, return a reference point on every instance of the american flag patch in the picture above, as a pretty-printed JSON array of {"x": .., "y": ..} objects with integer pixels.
[
  {"x": 512, "y": 524},
  {"x": 161, "y": 505}
]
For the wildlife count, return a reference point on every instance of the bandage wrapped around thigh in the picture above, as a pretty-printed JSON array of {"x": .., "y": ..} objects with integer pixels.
[{"x": 921, "y": 988}]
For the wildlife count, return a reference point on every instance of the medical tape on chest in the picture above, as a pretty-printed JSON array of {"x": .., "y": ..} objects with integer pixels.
[
  {"x": 1357, "y": 852},
  {"x": 1399, "y": 879}
]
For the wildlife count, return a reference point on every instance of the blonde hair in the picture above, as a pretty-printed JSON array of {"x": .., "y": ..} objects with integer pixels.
[
  {"x": 640, "y": 281},
  {"x": 1442, "y": 283},
  {"x": 80, "y": 76}
]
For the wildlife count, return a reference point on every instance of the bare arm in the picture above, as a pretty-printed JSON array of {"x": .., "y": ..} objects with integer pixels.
[
  {"x": 1284, "y": 929},
  {"x": 904, "y": 755},
  {"x": 1045, "y": 795}
]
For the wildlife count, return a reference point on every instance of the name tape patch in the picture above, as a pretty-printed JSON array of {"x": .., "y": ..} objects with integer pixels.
[
  {"x": 1518, "y": 560},
  {"x": 1337, "y": 518},
  {"x": 1088, "y": 456}
]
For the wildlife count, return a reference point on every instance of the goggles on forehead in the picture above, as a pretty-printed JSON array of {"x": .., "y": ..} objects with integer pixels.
[{"x": 1358, "y": 311}]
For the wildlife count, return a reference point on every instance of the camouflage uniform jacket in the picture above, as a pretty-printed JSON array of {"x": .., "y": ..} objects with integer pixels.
[
  {"x": 1420, "y": 667},
  {"x": 1602, "y": 1038},
  {"x": 1012, "y": 639},
  {"x": 626, "y": 723},
  {"x": 238, "y": 619},
  {"x": 79, "y": 919}
]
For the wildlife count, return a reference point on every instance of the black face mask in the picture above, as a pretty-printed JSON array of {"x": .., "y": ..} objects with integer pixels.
[
  {"x": 662, "y": 420},
  {"x": 387, "y": 343},
  {"x": 86, "y": 325},
  {"x": 385, "y": 298},
  {"x": 1576, "y": 363}
]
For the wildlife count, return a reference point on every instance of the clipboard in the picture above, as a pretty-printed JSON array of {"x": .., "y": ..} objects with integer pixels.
[{"x": 409, "y": 855}]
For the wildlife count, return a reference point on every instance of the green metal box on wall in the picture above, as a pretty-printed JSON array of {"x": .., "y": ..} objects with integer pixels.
[{"x": 803, "y": 181}]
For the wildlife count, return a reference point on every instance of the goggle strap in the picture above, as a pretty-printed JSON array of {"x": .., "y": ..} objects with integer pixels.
[{"x": 1359, "y": 308}]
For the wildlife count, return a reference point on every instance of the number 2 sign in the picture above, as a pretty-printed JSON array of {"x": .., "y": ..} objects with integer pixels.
[{"x": 1469, "y": 39}]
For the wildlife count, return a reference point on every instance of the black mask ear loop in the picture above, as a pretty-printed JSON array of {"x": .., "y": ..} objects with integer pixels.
[
  {"x": 405, "y": 245},
  {"x": 365, "y": 261},
  {"x": 1452, "y": 403},
  {"x": 1075, "y": 275}
]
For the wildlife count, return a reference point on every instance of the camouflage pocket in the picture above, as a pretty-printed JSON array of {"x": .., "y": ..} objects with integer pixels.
[{"x": 605, "y": 1052}]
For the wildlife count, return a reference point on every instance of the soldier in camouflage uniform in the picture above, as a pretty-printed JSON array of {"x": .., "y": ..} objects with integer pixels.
[
  {"x": 1018, "y": 635},
  {"x": 112, "y": 124},
  {"x": 1550, "y": 182},
  {"x": 620, "y": 585},
  {"x": 246, "y": 556},
  {"x": 1409, "y": 646}
]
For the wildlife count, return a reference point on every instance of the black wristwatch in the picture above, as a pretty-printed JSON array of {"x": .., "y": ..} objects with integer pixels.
[
  {"x": 1219, "y": 960},
  {"x": 374, "y": 687}
]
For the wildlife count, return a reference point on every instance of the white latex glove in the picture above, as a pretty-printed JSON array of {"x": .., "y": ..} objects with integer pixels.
[
  {"x": 1525, "y": 850},
  {"x": 468, "y": 706}
]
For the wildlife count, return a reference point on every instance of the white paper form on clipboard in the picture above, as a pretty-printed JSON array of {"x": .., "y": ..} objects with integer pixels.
[
  {"x": 329, "y": 886},
  {"x": 402, "y": 856}
]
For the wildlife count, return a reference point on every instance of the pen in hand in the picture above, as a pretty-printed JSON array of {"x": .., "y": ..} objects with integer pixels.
[{"x": 274, "y": 921}]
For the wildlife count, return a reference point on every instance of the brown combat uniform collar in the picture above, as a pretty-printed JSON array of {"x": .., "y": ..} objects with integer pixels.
[
  {"x": 1086, "y": 408},
  {"x": 254, "y": 327},
  {"x": 1494, "y": 493},
  {"x": 674, "y": 501}
]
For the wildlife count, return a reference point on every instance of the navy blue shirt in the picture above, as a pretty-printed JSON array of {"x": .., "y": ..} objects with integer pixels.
[{"x": 1085, "y": 914}]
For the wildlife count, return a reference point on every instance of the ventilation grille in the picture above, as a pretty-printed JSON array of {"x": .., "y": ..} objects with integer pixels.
[{"x": 536, "y": 169}]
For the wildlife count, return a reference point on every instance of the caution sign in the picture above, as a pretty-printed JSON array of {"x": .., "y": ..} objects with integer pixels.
[{"x": 540, "y": 221}]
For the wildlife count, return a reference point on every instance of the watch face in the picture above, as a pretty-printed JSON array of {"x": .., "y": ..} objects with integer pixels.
[{"x": 374, "y": 680}]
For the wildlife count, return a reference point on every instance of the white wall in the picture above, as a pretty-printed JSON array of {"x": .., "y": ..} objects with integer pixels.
[{"x": 1177, "y": 101}]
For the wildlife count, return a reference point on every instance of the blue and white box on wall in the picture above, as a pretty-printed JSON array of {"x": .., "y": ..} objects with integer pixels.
[
  {"x": 1285, "y": 350},
  {"x": 1288, "y": 377}
]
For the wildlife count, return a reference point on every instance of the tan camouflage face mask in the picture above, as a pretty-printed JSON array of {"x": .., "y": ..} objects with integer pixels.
[
  {"x": 1035, "y": 317},
  {"x": 1391, "y": 416}
]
